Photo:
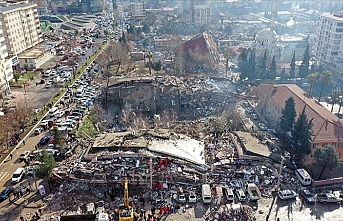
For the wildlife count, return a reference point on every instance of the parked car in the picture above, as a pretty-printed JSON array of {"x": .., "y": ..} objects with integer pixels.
[
  {"x": 24, "y": 155},
  {"x": 287, "y": 194},
  {"x": 6, "y": 192},
  {"x": 254, "y": 116},
  {"x": 262, "y": 126},
  {"x": 44, "y": 140},
  {"x": 38, "y": 130},
  {"x": 309, "y": 198},
  {"x": 182, "y": 198},
  {"x": 327, "y": 198},
  {"x": 48, "y": 85},
  {"x": 30, "y": 171},
  {"x": 249, "y": 110},
  {"x": 192, "y": 198}
]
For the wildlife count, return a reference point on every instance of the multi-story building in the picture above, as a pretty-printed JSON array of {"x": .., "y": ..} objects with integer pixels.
[
  {"x": 202, "y": 14},
  {"x": 168, "y": 42},
  {"x": 137, "y": 10},
  {"x": 329, "y": 40},
  {"x": 5, "y": 64},
  {"x": 21, "y": 27}
]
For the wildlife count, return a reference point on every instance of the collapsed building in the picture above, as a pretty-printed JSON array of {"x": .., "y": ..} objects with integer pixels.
[{"x": 193, "y": 96}]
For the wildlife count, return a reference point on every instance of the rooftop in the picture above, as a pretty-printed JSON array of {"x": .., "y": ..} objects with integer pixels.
[
  {"x": 33, "y": 52},
  {"x": 335, "y": 16},
  {"x": 160, "y": 141},
  {"x": 327, "y": 127},
  {"x": 15, "y": 7}
]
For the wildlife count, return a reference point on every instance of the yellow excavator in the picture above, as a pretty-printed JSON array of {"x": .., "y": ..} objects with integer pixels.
[{"x": 125, "y": 210}]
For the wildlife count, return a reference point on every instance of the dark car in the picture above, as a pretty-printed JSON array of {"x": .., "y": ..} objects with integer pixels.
[
  {"x": 6, "y": 193},
  {"x": 309, "y": 198},
  {"x": 45, "y": 140}
]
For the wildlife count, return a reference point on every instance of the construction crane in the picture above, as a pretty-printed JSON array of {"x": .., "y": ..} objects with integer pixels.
[{"x": 125, "y": 210}]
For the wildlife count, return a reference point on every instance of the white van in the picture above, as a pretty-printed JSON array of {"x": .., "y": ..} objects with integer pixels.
[
  {"x": 303, "y": 177},
  {"x": 206, "y": 193},
  {"x": 18, "y": 175},
  {"x": 228, "y": 194},
  {"x": 241, "y": 195},
  {"x": 53, "y": 111}
]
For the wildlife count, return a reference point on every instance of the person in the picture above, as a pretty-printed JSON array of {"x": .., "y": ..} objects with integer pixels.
[
  {"x": 267, "y": 217},
  {"x": 11, "y": 155},
  {"x": 24, "y": 142},
  {"x": 278, "y": 219}
]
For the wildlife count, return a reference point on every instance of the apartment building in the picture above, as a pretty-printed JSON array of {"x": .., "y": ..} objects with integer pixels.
[
  {"x": 202, "y": 14},
  {"x": 6, "y": 73},
  {"x": 137, "y": 10},
  {"x": 21, "y": 27},
  {"x": 329, "y": 40}
]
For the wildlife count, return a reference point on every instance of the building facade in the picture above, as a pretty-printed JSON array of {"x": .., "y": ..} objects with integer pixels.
[
  {"x": 329, "y": 40},
  {"x": 21, "y": 27},
  {"x": 202, "y": 14},
  {"x": 137, "y": 10}
]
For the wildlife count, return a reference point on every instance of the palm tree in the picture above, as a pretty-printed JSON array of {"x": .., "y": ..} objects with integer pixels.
[
  {"x": 149, "y": 56},
  {"x": 326, "y": 78},
  {"x": 313, "y": 79},
  {"x": 335, "y": 96}
]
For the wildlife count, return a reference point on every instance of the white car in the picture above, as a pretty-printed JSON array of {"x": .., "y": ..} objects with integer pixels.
[
  {"x": 48, "y": 85},
  {"x": 24, "y": 155},
  {"x": 287, "y": 194},
  {"x": 182, "y": 198},
  {"x": 262, "y": 126},
  {"x": 30, "y": 171},
  {"x": 192, "y": 198},
  {"x": 44, "y": 123},
  {"x": 38, "y": 130}
]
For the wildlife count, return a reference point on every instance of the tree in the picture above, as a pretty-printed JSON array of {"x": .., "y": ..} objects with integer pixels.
[
  {"x": 292, "y": 65},
  {"x": 288, "y": 115},
  {"x": 243, "y": 64},
  {"x": 326, "y": 78},
  {"x": 313, "y": 79},
  {"x": 47, "y": 164},
  {"x": 301, "y": 133},
  {"x": 283, "y": 74},
  {"x": 16, "y": 75},
  {"x": 335, "y": 94},
  {"x": 149, "y": 56},
  {"x": 157, "y": 66},
  {"x": 146, "y": 28},
  {"x": 263, "y": 73},
  {"x": 326, "y": 157},
  {"x": 58, "y": 139},
  {"x": 273, "y": 69},
  {"x": 252, "y": 67},
  {"x": 305, "y": 63},
  {"x": 228, "y": 30}
]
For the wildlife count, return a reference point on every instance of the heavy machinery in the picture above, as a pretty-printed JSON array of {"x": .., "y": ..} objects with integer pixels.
[{"x": 125, "y": 210}]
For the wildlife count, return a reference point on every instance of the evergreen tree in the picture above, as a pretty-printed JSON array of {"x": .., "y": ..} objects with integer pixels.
[
  {"x": 228, "y": 30},
  {"x": 146, "y": 28},
  {"x": 302, "y": 132},
  {"x": 243, "y": 64},
  {"x": 288, "y": 115},
  {"x": 305, "y": 64},
  {"x": 292, "y": 70},
  {"x": 272, "y": 69},
  {"x": 263, "y": 73},
  {"x": 283, "y": 74},
  {"x": 252, "y": 67},
  {"x": 326, "y": 157},
  {"x": 48, "y": 163}
]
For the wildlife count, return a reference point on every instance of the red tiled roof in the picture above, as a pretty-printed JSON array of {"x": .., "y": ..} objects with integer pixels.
[{"x": 327, "y": 127}]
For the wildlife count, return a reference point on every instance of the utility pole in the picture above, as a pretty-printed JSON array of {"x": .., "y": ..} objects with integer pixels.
[{"x": 150, "y": 169}]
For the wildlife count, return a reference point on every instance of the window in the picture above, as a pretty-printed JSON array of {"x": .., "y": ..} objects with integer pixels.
[{"x": 340, "y": 144}]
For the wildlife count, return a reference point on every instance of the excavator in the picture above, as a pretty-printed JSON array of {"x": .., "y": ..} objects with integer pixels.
[{"x": 125, "y": 210}]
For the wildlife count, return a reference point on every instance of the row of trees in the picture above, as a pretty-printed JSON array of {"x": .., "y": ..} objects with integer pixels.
[
  {"x": 301, "y": 136},
  {"x": 300, "y": 129}
]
